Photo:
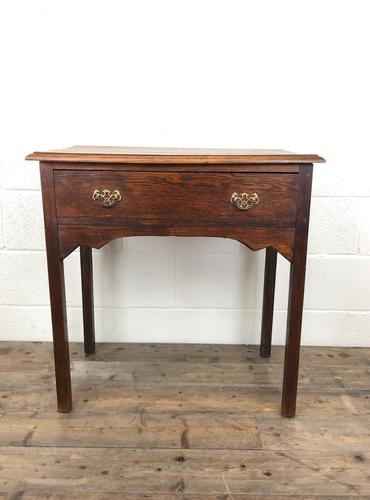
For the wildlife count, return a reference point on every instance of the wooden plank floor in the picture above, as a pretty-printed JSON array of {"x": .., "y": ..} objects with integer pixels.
[{"x": 184, "y": 421}]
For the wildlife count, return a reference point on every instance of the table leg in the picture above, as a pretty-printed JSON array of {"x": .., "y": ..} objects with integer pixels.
[
  {"x": 87, "y": 298},
  {"x": 293, "y": 339},
  {"x": 268, "y": 301},
  {"x": 60, "y": 336},
  {"x": 296, "y": 295},
  {"x": 57, "y": 293}
]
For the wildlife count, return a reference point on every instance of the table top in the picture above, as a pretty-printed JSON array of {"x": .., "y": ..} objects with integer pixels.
[{"x": 112, "y": 154}]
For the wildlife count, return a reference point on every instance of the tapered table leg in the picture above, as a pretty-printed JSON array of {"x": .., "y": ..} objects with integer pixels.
[
  {"x": 57, "y": 293},
  {"x": 87, "y": 298},
  {"x": 292, "y": 348},
  {"x": 268, "y": 302},
  {"x": 296, "y": 294},
  {"x": 60, "y": 337}
]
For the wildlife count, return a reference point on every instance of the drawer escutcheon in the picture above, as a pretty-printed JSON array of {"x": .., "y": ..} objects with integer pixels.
[
  {"x": 107, "y": 198},
  {"x": 243, "y": 201}
]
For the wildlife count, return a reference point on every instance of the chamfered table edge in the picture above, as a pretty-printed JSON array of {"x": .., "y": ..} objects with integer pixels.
[{"x": 177, "y": 159}]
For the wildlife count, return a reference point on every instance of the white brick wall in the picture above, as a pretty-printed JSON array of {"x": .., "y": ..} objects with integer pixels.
[{"x": 298, "y": 84}]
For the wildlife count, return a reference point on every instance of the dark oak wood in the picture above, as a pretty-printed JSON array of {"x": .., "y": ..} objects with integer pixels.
[
  {"x": 268, "y": 301},
  {"x": 72, "y": 235},
  {"x": 296, "y": 295},
  {"x": 57, "y": 293},
  {"x": 182, "y": 196},
  {"x": 179, "y": 193},
  {"x": 268, "y": 168},
  {"x": 87, "y": 298},
  {"x": 172, "y": 155}
]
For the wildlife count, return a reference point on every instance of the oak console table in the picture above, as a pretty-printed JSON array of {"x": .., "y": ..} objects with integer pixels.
[{"x": 92, "y": 195}]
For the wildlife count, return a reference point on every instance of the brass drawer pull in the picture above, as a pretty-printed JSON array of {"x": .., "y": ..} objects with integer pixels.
[
  {"x": 107, "y": 198},
  {"x": 244, "y": 201}
]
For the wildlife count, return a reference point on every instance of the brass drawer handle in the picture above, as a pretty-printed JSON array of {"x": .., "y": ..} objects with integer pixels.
[
  {"x": 107, "y": 198},
  {"x": 244, "y": 201}
]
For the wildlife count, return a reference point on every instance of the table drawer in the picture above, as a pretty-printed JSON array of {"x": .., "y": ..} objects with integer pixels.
[{"x": 256, "y": 199}]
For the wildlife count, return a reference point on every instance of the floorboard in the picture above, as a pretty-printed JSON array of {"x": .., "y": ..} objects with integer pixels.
[{"x": 184, "y": 421}]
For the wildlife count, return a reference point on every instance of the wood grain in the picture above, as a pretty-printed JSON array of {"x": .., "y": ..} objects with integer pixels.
[
  {"x": 169, "y": 428},
  {"x": 28, "y": 355},
  {"x": 268, "y": 301},
  {"x": 56, "y": 291},
  {"x": 268, "y": 168},
  {"x": 296, "y": 294},
  {"x": 87, "y": 298},
  {"x": 172, "y": 155},
  {"x": 173, "y": 430},
  {"x": 72, "y": 236},
  {"x": 217, "y": 375},
  {"x": 184, "y": 197},
  {"x": 192, "y": 471},
  {"x": 194, "y": 203}
]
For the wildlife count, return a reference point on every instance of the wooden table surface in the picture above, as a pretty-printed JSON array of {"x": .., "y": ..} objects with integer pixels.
[
  {"x": 184, "y": 421},
  {"x": 111, "y": 154}
]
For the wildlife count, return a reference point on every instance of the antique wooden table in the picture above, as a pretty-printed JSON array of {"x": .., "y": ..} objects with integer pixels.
[{"x": 92, "y": 195}]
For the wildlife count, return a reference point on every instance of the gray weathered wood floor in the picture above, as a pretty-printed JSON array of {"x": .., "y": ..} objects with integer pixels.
[{"x": 184, "y": 421}]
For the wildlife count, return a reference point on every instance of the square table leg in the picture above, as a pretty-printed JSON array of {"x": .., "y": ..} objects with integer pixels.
[
  {"x": 57, "y": 293},
  {"x": 268, "y": 301},
  {"x": 60, "y": 335},
  {"x": 296, "y": 295},
  {"x": 87, "y": 298}
]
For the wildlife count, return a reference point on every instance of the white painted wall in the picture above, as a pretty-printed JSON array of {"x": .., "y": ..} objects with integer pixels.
[{"x": 209, "y": 73}]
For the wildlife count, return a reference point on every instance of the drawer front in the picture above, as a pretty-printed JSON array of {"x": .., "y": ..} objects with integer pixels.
[{"x": 248, "y": 199}]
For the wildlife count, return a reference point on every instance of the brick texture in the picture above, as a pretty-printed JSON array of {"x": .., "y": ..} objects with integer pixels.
[
  {"x": 259, "y": 75},
  {"x": 188, "y": 289}
]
